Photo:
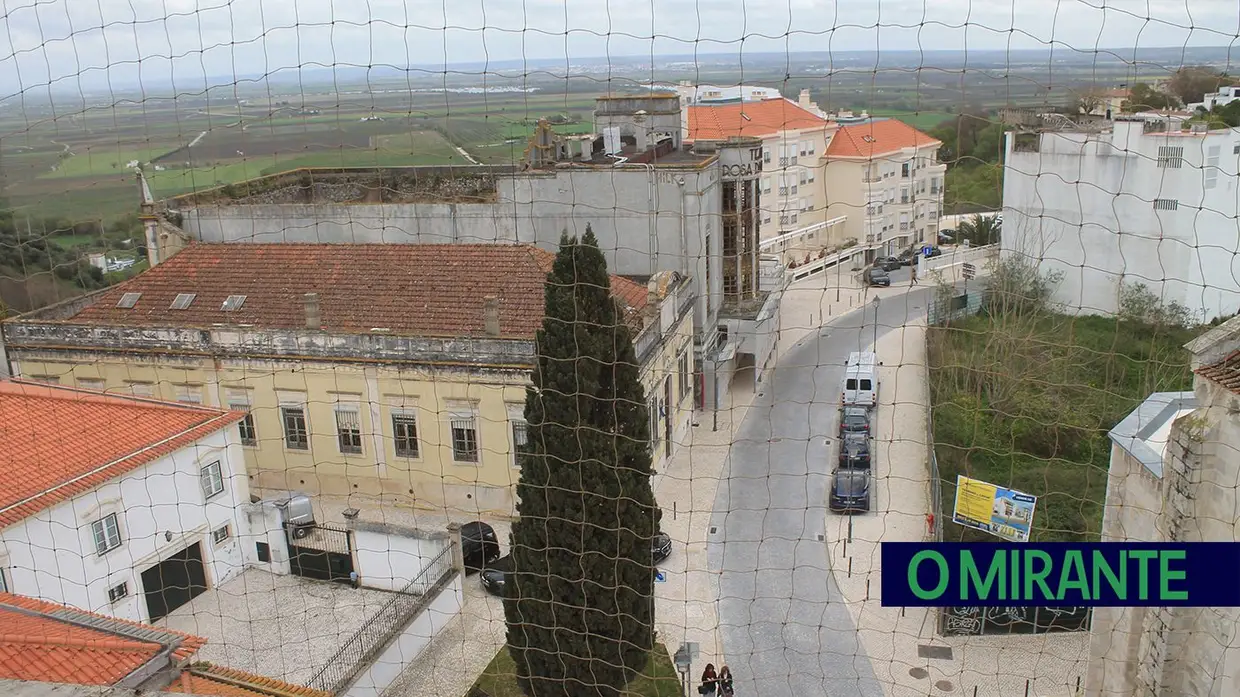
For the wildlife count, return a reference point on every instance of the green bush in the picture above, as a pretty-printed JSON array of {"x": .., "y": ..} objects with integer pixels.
[{"x": 1025, "y": 399}]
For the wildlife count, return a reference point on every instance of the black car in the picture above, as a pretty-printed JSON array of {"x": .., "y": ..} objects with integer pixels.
[
  {"x": 936, "y": 252},
  {"x": 850, "y": 491},
  {"x": 661, "y": 547},
  {"x": 854, "y": 420},
  {"x": 479, "y": 545},
  {"x": 495, "y": 574},
  {"x": 877, "y": 277},
  {"x": 887, "y": 263},
  {"x": 908, "y": 257},
  {"x": 855, "y": 451}
]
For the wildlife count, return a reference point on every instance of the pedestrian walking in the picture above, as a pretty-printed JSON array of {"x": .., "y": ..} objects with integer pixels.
[
  {"x": 710, "y": 680},
  {"x": 914, "y": 268},
  {"x": 725, "y": 682}
]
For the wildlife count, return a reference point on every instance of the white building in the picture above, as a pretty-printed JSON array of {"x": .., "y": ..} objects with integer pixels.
[
  {"x": 1223, "y": 97},
  {"x": 655, "y": 203},
  {"x": 123, "y": 506},
  {"x": 1131, "y": 203},
  {"x": 794, "y": 146},
  {"x": 885, "y": 178},
  {"x": 1173, "y": 477}
]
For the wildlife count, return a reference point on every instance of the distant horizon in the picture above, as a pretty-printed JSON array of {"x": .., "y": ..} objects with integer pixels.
[{"x": 1134, "y": 57}]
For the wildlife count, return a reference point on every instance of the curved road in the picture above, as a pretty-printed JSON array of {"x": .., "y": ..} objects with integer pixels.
[{"x": 784, "y": 628}]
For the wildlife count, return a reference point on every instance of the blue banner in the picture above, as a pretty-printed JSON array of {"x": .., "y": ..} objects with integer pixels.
[{"x": 1097, "y": 574}]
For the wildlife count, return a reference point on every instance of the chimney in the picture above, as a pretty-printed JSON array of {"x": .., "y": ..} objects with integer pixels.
[
  {"x": 490, "y": 314},
  {"x": 803, "y": 99},
  {"x": 314, "y": 318}
]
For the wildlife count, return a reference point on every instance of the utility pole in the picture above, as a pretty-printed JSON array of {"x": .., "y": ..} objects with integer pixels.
[{"x": 877, "y": 299}]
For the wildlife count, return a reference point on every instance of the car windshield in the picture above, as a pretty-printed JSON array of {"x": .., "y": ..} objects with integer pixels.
[{"x": 850, "y": 484}]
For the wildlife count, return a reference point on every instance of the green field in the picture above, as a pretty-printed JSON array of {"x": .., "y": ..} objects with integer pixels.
[{"x": 923, "y": 120}]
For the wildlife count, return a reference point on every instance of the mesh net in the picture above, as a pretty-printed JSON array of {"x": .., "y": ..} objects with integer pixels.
[{"x": 357, "y": 385}]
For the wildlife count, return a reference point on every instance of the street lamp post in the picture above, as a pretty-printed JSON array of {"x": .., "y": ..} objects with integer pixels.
[{"x": 876, "y": 302}]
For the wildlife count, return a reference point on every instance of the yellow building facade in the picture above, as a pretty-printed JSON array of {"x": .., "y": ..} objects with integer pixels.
[{"x": 430, "y": 422}]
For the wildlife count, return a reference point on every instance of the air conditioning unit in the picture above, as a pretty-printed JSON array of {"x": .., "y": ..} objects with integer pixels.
[{"x": 298, "y": 515}]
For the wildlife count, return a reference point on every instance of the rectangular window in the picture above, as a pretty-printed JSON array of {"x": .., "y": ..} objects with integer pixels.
[
  {"x": 1166, "y": 204},
  {"x": 46, "y": 378},
  {"x": 1212, "y": 156},
  {"x": 212, "y": 478},
  {"x": 685, "y": 377},
  {"x": 118, "y": 592},
  {"x": 766, "y": 185},
  {"x": 107, "y": 534},
  {"x": 142, "y": 389},
  {"x": 766, "y": 155},
  {"x": 520, "y": 432},
  {"x": 804, "y": 148},
  {"x": 189, "y": 394},
  {"x": 296, "y": 436},
  {"x": 405, "y": 434},
  {"x": 465, "y": 438},
  {"x": 249, "y": 435},
  {"x": 264, "y": 551},
  {"x": 811, "y": 176},
  {"x": 1235, "y": 150},
  {"x": 653, "y": 407},
  {"x": 91, "y": 384},
  {"x": 1170, "y": 157},
  {"x": 221, "y": 534},
  {"x": 904, "y": 170},
  {"x": 851, "y": 384},
  {"x": 349, "y": 429},
  {"x": 865, "y": 385},
  {"x": 804, "y": 176}
]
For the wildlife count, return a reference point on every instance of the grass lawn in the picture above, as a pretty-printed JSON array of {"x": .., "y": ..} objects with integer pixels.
[
  {"x": 105, "y": 159},
  {"x": 1026, "y": 402},
  {"x": 660, "y": 678}
]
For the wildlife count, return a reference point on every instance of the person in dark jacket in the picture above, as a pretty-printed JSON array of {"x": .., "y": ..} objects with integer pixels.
[
  {"x": 710, "y": 680},
  {"x": 725, "y": 682}
]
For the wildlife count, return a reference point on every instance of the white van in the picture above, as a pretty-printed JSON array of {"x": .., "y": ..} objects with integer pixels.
[{"x": 860, "y": 386}]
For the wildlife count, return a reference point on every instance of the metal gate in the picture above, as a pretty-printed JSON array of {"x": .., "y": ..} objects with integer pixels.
[
  {"x": 321, "y": 552},
  {"x": 989, "y": 621}
]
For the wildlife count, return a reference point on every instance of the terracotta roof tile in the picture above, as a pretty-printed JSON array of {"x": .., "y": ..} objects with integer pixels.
[
  {"x": 216, "y": 681},
  {"x": 876, "y": 138},
  {"x": 754, "y": 119},
  {"x": 1226, "y": 372},
  {"x": 411, "y": 289},
  {"x": 45, "y": 463},
  {"x": 44, "y": 649}
]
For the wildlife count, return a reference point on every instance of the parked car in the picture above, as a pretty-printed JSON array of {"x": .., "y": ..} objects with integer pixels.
[
  {"x": 887, "y": 263},
  {"x": 495, "y": 574},
  {"x": 661, "y": 547},
  {"x": 854, "y": 420},
  {"x": 850, "y": 491},
  {"x": 908, "y": 257},
  {"x": 877, "y": 277},
  {"x": 854, "y": 451},
  {"x": 479, "y": 545},
  {"x": 936, "y": 252}
]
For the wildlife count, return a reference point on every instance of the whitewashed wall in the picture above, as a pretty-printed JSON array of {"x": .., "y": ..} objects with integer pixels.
[{"x": 51, "y": 555}]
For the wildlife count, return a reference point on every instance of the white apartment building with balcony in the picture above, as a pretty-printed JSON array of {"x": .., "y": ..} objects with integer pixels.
[
  {"x": 884, "y": 175},
  {"x": 793, "y": 195},
  {"x": 1133, "y": 203}
]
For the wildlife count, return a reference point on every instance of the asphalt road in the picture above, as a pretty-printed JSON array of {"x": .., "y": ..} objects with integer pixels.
[{"x": 784, "y": 626}]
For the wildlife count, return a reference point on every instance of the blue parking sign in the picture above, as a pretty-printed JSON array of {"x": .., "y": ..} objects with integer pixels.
[{"x": 926, "y": 250}]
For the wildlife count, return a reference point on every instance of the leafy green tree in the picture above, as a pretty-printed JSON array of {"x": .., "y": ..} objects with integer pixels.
[
  {"x": 980, "y": 230},
  {"x": 1191, "y": 83},
  {"x": 1142, "y": 97},
  {"x": 579, "y": 602}
]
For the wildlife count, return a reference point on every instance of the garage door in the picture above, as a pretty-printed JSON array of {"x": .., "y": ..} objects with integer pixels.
[{"x": 175, "y": 581}]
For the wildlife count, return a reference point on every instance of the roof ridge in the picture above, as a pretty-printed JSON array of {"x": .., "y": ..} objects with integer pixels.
[
  {"x": 81, "y": 394},
  {"x": 102, "y": 642}
]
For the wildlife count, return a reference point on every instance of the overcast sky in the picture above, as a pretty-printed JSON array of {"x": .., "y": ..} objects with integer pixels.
[{"x": 149, "y": 41}]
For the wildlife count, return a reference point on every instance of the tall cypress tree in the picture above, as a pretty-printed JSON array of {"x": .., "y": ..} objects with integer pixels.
[{"x": 578, "y": 606}]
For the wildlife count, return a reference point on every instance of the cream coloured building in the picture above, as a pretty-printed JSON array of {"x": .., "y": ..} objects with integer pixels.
[
  {"x": 884, "y": 177},
  {"x": 793, "y": 194},
  {"x": 396, "y": 370}
]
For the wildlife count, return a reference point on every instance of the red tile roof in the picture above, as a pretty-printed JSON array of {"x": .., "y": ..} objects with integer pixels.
[
  {"x": 1226, "y": 372},
  {"x": 46, "y": 463},
  {"x": 216, "y": 681},
  {"x": 754, "y": 119},
  {"x": 411, "y": 289},
  {"x": 876, "y": 138},
  {"x": 45, "y": 649}
]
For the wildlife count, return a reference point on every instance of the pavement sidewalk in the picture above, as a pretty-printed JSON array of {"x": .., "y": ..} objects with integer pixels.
[{"x": 995, "y": 666}]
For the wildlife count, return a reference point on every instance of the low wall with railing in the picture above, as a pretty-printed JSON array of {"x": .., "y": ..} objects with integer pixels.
[{"x": 395, "y": 635}]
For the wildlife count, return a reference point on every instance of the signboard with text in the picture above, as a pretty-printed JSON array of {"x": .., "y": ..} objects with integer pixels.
[{"x": 1002, "y": 512}]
